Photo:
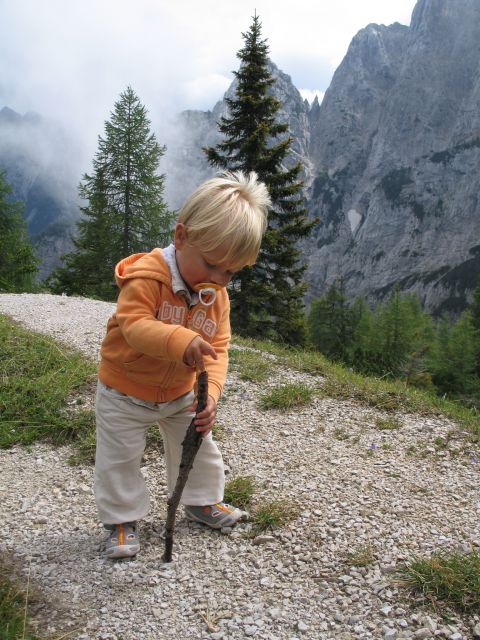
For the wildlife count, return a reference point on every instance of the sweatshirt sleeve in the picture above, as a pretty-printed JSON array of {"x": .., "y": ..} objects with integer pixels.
[
  {"x": 217, "y": 369},
  {"x": 136, "y": 309}
]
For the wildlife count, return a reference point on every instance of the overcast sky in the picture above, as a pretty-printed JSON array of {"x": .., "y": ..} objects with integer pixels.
[{"x": 70, "y": 59}]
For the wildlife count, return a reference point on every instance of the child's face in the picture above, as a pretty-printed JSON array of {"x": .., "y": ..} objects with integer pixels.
[{"x": 195, "y": 266}]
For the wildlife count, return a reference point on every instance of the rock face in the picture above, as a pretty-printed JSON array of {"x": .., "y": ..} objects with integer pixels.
[{"x": 395, "y": 147}]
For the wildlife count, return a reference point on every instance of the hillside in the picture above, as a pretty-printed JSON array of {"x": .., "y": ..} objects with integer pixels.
[{"x": 367, "y": 498}]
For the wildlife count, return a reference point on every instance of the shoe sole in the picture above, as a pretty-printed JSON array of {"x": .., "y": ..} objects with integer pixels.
[
  {"x": 123, "y": 551},
  {"x": 214, "y": 525}
]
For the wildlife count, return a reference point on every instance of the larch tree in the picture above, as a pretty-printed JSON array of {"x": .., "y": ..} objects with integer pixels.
[
  {"x": 266, "y": 298},
  {"x": 125, "y": 211}
]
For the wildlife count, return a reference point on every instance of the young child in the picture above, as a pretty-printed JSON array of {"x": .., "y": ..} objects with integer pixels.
[{"x": 172, "y": 319}]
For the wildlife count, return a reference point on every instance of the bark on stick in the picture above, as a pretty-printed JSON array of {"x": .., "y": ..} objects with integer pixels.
[{"x": 190, "y": 446}]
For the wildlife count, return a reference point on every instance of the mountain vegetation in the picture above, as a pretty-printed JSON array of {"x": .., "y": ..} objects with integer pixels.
[
  {"x": 125, "y": 211},
  {"x": 399, "y": 339},
  {"x": 18, "y": 264},
  {"x": 267, "y": 298}
]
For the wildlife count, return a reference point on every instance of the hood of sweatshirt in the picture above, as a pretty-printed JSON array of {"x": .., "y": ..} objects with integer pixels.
[{"x": 143, "y": 265}]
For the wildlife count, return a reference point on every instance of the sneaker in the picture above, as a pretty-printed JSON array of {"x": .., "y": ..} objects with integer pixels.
[
  {"x": 123, "y": 541},
  {"x": 215, "y": 516}
]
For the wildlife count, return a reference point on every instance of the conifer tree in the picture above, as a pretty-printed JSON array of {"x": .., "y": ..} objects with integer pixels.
[
  {"x": 18, "y": 263},
  {"x": 475, "y": 315},
  {"x": 125, "y": 211},
  {"x": 330, "y": 323},
  {"x": 266, "y": 298}
]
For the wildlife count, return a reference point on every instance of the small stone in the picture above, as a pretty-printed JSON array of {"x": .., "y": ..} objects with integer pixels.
[
  {"x": 302, "y": 626},
  {"x": 41, "y": 520},
  {"x": 263, "y": 539},
  {"x": 421, "y": 633},
  {"x": 274, "y": 613},
  {"x": 250, "y": 630},
  {"x": 476, "y": 630},
  {"x": 84, "y": 488},
  {"x": 219, "y": 635},
  {"x": 226, "y": 530},
  {"x": 390, "y": 634},
  {"x": 456, "y": 636}
]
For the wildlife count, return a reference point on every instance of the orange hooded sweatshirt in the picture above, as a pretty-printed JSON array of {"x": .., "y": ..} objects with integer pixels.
[{"x": 142, "y": 353}]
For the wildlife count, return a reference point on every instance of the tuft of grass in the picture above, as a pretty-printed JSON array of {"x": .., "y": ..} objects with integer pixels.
[
  {"x": 274, "y": 514},
  {"x": 341, "y": 433},
  {"x": 387, "y": 424},
  {"x": 360, "y": 557},
  {"x": 287, "y": 396},
  {"x": 250, "y": 365},
  {"x": 452, "y": 578},
  {"x": 239, "y": 491},
  {"x": 219, "y": 431},
  {"x": 13, "y": 610},
  {"x": 38, "y": 378}
]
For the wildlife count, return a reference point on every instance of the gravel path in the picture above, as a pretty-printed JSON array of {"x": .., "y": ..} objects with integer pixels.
[{"x": 360, "y": 490}]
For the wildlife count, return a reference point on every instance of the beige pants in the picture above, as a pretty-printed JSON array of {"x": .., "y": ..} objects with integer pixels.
[{"x": 120, "y": 490}]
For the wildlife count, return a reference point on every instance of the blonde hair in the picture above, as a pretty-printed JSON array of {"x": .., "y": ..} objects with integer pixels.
[{"x": 233, "y": 206}]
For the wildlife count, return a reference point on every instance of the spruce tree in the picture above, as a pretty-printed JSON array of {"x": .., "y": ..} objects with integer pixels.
[
  {"x": 18, "y": 263},
  {"x": 266, "y": 298},
  {"x": 125, "y": 211}
]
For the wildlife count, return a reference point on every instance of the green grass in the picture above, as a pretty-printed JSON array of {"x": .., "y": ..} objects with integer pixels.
[
  {"x": 360, "y": 557},
  {"x": 387, "y": 424},
  {"x": 388, "y": 395},
  {"x": 273, "y": 515},
  {"x": 13, "y": 610},
  {"x": 287, "y": 396},
  {"x": 39, "y": 377},
  {"x": 250, "y": 365},
  {"x": 449, "y": 578},
  {"x": 239, "y": 491}
]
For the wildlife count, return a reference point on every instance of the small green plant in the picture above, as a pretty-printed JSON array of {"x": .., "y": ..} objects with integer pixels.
[
  {"x": 341, "y": 433},
  {"x": 387, "y": 424},
  {"x": 441, "y": 443},
  {"x": 360, "y": 557},
  {"x": 219, "y": 431},
  {"x": 452, "y": 578},
  {"x": 274, "y": 514},
  {"x": 239, "y": 491},
  {"x": 251, "y": 365},
  {"x": 287, "y": 396},
  {"x": 13, "y": 610}
]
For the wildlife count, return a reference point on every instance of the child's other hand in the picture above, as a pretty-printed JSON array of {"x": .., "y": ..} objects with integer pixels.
[
  {"x": 193, "y": 356},
  {"x": 206, "y": 418}
]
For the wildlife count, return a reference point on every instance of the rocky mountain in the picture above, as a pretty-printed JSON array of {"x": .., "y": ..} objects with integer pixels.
[
  {"x": 395, "y": 147},
  {"x": 391, "y": 157}
]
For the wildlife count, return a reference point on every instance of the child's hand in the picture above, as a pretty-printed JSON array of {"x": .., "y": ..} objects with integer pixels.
[
  {"x": 193, "y": 356},
  {"x": 206, "y": 418}
]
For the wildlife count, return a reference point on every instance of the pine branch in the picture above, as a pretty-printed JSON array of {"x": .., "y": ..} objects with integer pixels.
[{"x": 190, "y": 446}]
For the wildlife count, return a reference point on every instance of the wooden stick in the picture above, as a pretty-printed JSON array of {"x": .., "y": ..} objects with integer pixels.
[{"x": 190, "y": 446}]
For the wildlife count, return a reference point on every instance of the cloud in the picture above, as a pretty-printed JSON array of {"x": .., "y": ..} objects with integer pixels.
[
  {"x": 203, "y": 92},
  {"x": 70, "y": 60}
]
